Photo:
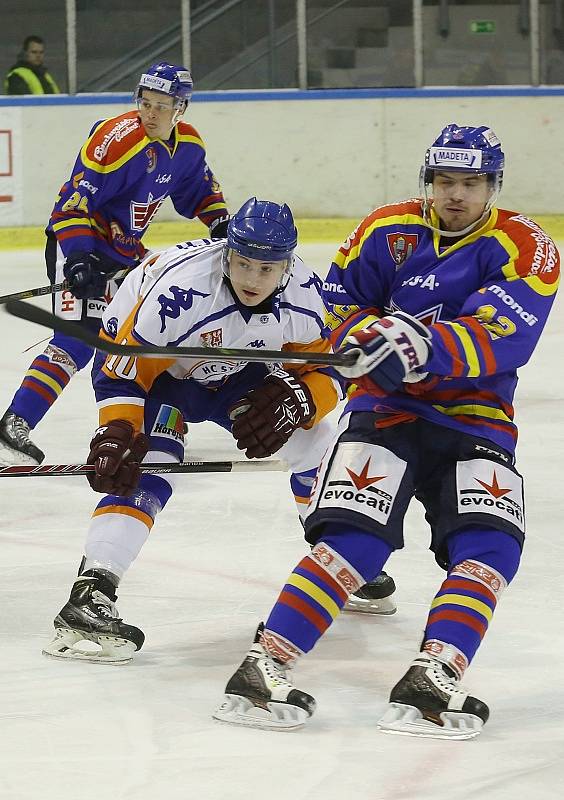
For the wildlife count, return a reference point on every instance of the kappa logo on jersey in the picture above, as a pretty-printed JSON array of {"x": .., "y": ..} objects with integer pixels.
[
  {"x": 152, "y": 156},
  {"x": 486, "y": 488},
  {"x": 169, "y": 423},
  {"x": 181, "y": 300},
  {"x": 401, "y": 246},
  {"x": 257, "y": 343},
  {"x": 141, "y": 214},
  {"x": 212, "y": 338},
  {"x": 314, "y": 281},
  {"x": 363, "y": 478}
]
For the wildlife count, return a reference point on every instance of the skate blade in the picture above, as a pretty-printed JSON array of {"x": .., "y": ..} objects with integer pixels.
[
  {"x": 238, "y": 710},
  {"x": 9, "y": 457},
  {"x": 358, "y": 605},
  {"x": 113, "y": 649},
  {"x": 408, "y": 720}
]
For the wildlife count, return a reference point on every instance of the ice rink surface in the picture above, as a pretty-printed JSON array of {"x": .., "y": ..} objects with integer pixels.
[{"x": 211, "y": 570}]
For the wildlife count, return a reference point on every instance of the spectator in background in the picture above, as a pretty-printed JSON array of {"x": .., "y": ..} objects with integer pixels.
[{"x": 29, "y": 75}]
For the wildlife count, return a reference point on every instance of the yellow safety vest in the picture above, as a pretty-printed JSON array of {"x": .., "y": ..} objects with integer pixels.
[{"x": 30, "y": 78}]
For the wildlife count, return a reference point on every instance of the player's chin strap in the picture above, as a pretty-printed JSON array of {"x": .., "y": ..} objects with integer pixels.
[{"x": 427, "y": 211}]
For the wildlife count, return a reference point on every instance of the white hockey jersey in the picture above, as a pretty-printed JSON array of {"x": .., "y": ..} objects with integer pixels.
[{"x": 179, "y": 298}]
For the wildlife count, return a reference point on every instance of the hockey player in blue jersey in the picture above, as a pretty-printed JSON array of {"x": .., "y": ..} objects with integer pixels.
[
  {"x": 441, "y": 300},
  {"x": 125, "y": 170}
]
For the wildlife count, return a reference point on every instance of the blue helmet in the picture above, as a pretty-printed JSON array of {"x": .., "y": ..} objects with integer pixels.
[
  {"x": 476, "y": 150},
  {"x": 262, "y": 229},
  {"x": 174, "y": 81}
]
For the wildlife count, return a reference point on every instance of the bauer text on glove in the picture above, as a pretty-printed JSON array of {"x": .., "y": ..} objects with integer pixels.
[{"x": 266, "y": 417}]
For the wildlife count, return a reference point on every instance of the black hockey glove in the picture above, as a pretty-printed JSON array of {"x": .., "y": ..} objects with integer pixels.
[
  {"x": 218, "y": 228},
  {"x": 85, "y": 273},
  {"x": 266, "y": 417},
  {"x": 116, "y": 452},
  {"x": 387, "y": 351}
]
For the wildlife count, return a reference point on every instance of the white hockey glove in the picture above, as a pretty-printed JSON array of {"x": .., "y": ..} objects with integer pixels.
[{"x": 387, "y": 352}]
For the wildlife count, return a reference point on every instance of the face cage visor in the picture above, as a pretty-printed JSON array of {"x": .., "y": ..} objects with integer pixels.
[
  {"x": 426, "y": 180},
  {"x": 179, "y": 104},
  {"x": 284, "y": 277}
]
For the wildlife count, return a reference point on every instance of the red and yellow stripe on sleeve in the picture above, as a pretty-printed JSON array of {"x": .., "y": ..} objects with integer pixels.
[{"x": 468, "y": 345}]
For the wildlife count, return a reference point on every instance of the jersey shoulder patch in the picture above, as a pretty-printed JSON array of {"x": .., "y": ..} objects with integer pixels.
[
  {"x": 113, "y": 142},
  {"x": 187, "y": 133}
]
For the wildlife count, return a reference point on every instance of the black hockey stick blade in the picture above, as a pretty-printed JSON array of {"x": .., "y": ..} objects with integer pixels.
[
  {"x": 70, "y": 470},
  {"x": 32, "y": 313}
]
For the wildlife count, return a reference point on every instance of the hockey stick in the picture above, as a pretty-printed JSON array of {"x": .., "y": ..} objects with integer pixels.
[
  {"x": 70, "y": 470},
  {"x": 51, "y": 289},
  {"x": 41, "y": 317}
]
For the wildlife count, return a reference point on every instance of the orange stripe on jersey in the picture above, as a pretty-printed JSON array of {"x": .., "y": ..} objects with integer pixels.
[
  {"x": 323, "y": 391},
  {"x": 458, "y": 366},
  {"x": 127, "y": 511},
  {"x": 128, "y": 412},
  {"x": 484, "y": 341}
]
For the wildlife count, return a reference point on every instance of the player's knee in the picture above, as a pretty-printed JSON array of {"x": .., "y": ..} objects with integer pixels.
[{"x": 497, "y": 549}]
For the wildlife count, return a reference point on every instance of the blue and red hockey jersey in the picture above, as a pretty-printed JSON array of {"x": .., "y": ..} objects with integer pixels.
[
  {"x": 120, "y": 180},
  {"x": 485, "y": 299}
]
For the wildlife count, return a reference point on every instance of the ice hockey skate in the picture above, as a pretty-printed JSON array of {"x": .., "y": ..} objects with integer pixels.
[
  {"x": 375, "y": 597},
  {"x": 90, "y": 616},
  {"x": 15, "y": 445},
  {"x": 429, "y": 701},
  {"x": 260, "y": 695}
]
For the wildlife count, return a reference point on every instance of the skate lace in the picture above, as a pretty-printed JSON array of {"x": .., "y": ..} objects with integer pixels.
[
  {"x": 18, "y": 429},
  {"x": 276, "y": 672},
  {"x": 104, "y": 606}
]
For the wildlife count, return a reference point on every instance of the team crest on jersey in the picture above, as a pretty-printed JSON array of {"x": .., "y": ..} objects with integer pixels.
[
  {"x": 212, "y": 338},
  {"x": 401, "y": 245},
  {"x": 142, "y": 213},
  {"x": 152, "y": 156},
  {"x": 169, "y": 423}
]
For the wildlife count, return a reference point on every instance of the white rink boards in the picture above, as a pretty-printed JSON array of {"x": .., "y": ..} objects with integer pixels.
[{"x": 211, "y": 570}]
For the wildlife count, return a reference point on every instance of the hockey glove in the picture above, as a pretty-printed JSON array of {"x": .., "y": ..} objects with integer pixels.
[
  {"x": 218, "y": 228},
  {"x": 85, "y": 275},
  {"x": 116, "y": 452},
  {"x": 387, "y": 351},
  {"x": 266, "y": 417}
]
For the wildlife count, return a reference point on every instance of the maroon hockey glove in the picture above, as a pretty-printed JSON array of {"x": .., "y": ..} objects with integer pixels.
[
  {"x": 266, "y": 417},
  {"x": 116, "y": 452}
]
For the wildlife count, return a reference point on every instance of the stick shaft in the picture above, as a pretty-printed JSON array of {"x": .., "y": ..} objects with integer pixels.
[
  {"x": 41, "y": 317},
  {"x": 70, "y": 470}
]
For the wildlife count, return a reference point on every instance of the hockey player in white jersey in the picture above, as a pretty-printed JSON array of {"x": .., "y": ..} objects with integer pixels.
[{"x": 250, "y": 291}]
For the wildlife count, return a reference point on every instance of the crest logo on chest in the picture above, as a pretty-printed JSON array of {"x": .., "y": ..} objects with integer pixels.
[{"x": 401, "y": 245}]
